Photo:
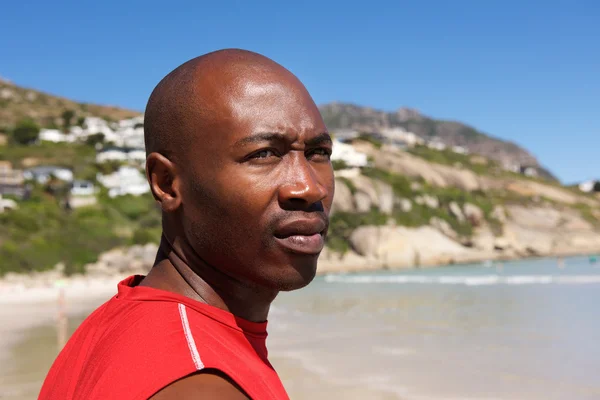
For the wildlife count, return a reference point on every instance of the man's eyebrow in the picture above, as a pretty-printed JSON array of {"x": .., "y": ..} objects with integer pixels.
[
  {"x": 275, "y": 136},
  {"x": 260, "y": 137},
  {"x": 319, "y": 139}
]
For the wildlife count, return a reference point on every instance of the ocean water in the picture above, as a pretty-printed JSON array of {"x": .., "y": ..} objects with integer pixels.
[{"x": 520, "y": 330}]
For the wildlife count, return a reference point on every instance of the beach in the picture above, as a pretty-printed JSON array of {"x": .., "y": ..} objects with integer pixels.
[{"x": 514, "y": 330}]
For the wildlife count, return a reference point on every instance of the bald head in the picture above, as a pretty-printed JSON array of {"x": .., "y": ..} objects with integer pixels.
[{"x": 200, "y": 95}]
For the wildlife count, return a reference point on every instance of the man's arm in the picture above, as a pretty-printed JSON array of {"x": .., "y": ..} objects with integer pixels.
[{"x": 211, "y": 384}]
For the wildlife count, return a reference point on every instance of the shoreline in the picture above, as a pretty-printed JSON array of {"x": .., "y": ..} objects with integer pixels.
[
  {"x": 30, "y": 300},
  {"x": 43, "y": 287}
]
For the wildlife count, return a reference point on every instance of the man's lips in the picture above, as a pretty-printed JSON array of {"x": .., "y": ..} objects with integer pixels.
[{"x": 304, "y": 236}]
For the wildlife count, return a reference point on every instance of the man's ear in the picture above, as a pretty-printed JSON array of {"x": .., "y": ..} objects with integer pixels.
[{"x": 164, "y": 181}]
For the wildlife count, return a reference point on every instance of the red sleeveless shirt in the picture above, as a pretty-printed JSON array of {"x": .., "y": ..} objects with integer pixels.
[{"x": 143, "y": 339}]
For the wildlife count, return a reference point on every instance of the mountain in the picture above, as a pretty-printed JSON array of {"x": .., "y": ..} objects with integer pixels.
[
  {"x": 350, "y": 116},
  {"x": 17, "y": 102}
]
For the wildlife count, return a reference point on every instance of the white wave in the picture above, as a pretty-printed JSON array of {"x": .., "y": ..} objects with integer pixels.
[{"x": 468, "y": 280}]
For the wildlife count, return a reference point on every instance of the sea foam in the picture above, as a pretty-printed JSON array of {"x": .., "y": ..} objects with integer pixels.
[{"x": 468, "y": 280}]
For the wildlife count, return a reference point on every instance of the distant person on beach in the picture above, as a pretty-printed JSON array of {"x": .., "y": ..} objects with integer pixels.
[{"x": 238, "y": 157}]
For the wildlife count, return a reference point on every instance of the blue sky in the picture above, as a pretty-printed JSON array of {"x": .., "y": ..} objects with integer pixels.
[{"x": 526, "y": 71}]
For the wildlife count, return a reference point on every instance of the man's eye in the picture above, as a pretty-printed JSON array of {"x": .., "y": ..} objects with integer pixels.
[
  {"x": 263, "y": 154},
  {"x": 320, "y": 153}
]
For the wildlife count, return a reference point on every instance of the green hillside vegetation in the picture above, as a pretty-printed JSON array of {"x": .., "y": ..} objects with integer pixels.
[{"x": 42, "y": 233}]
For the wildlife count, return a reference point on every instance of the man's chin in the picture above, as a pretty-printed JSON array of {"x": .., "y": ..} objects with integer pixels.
[{"x": 299, "y": 273}]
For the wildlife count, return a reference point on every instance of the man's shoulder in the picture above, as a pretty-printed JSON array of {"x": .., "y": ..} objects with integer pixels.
[{"x": 207, "y": 384}]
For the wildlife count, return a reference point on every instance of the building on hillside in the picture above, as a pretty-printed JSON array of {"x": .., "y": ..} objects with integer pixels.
[
  {"x": 11, "y": 180},
  {"x": 348, "y": 154},
  {"x": 82, "y": 194},
  {"x": 529, "y": 171},
  {"x": 111, "y": 154},
  {"x": 590, "y": 186},
  {"x": 126, "y": 180},
  {"x": 55, "y": 136},
  {"x": 399, "y": 137},
  {"x": 7, "y": 204},
  {"x": 460, "y": 150},
  {"x": 345, "y": 135},
  {"x": 3, "y": 139},
  {"x": 134, "y": 122},
  {"x": 137, "y": 155},
  {"x": 436, "y": 145},
  {"x": 82, "y": 188},
  {"x": 121, "y": 154},
  {"x": 43, "y": 174}
]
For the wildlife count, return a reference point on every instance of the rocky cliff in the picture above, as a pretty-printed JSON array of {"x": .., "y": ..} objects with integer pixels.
[
  {"x": 349, "y": 116},
  {"x": 413, "y": 213}
]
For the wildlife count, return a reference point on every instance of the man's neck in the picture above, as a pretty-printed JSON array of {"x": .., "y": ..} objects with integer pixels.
[{"x": 179, "y": 271}]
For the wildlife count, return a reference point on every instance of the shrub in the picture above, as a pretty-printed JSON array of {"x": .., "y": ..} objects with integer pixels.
[
  {"x": 67, "y": 116},
  {"x": 339, "y": 164},
  {"x": 25, "y": 132},
  {"x": 371, "y": 139},
  {"x": 400, "y": 184}
]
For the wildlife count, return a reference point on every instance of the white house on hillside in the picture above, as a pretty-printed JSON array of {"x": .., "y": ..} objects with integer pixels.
[
  {"x": 42, "y": 174},
  {"x": 83, "y": 188},
  {"x": 460, "y": 150},
  {"x": 7, "y": 204},
  {"x": 436, "y": 145},
  {"x": 137, "y": 155},
  {"x": 348, "y": 154},
  {"x": 345, "y": 135},
  {"x": 400, "y": 137},
  {"x": 121, "y": 155},
  {"x": 589, "y": 186},
  {"x": 55, "y": 136},
  {"x": 111, "y": 155},
  {"x": 131, "y": 122},
  {"x": 127, "y": 180}
]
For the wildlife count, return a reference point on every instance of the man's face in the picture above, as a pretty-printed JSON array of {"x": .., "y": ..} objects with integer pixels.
[{"x": 258, "y": 191}]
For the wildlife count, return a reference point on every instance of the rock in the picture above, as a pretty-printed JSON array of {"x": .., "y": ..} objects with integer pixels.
[
  {"x": 382, "y": 246},
  {"x": 367, "y": 186},
  {"x": 444, "y": 227},
  {"x": 386, "y": 197},
  {"x": 416, "y": 186},
  {"x": 136, "y": 259},
  {"x": 6, "y": 93},
  {"x": 405, "y": 205},
  {"x": 501, "y": 243},
  {"x": 535, "y": 217},
  {"x": 540, "y": 190},
  {"x": 456, "y": 211},
  {"x": 342, "y": 200},
  {"x": 499, "y": 214},
  {"x": 362, "y": 201},
  {"x": 474, "y": 214},
  {"x": 400, "y": 247},
  {"x": 427, "y": 200},
  {"x": 484, "y": 239}
]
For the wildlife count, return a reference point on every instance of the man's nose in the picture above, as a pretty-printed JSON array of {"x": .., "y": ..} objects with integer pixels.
[{"x": 301, "y": 188}]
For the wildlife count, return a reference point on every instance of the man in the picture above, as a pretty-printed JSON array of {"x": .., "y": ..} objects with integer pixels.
[{"x": 238, "y": 159}]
